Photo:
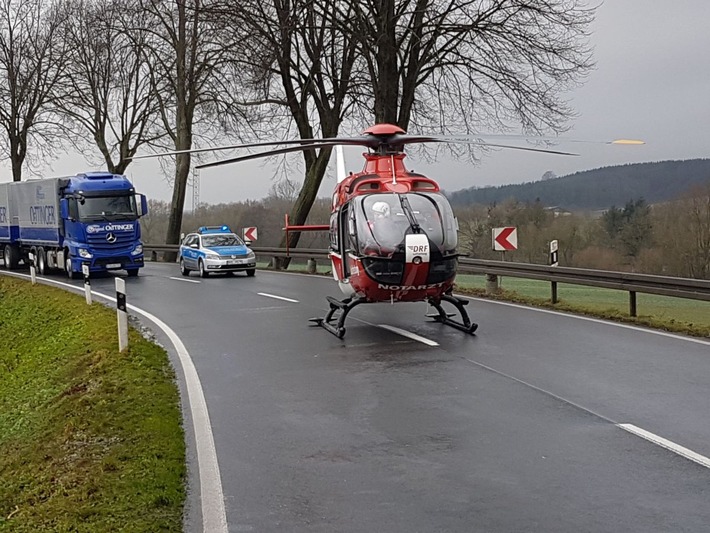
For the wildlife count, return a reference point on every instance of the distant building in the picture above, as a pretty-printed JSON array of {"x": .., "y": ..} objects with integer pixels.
[{"x": 558, "y": 211}]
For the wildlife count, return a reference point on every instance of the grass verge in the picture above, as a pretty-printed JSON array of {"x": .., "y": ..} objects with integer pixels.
[
  {"x": 90, "y": 438},
  {"x": 678, "y": 315}
]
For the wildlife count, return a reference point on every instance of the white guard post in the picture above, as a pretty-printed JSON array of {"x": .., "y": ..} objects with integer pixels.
[
  {"x": 87, "y": 283},
  {"x": 121, "y": 314},
  {"x": 33, "y": 272},
  {"x": 553, "y": 253}
]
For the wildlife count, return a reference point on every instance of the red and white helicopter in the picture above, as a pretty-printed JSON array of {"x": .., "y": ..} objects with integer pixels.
[{"x": 393, "y": 234}]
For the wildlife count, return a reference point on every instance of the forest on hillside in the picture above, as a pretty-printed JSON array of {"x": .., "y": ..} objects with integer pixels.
[
  {"x": 598, "y": 189},
  {"x": 670, "y": 238}
]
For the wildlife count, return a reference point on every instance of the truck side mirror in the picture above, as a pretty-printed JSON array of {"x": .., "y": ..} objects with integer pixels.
[{"x": 142, "y": 205}]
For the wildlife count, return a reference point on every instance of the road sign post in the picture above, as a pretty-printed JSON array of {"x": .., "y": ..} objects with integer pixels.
[
  {"x": 249, "y": 234},
  {"x": 553, "y": 253},
  {"x": 505, "y": 239},
  {"x": 87, "y": 283},
  {"x": 122, "y": 315},
  {"x": 33, "y": 271}
]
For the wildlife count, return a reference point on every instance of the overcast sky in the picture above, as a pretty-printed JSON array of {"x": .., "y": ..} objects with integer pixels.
[{"x": 651, "y": 82}]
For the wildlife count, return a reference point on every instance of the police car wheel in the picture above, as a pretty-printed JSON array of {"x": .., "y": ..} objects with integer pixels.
[
  {"x": 251, "y": 272},
  {"x": 203, "y": 271},
  {"x": 183, "y": 269}
]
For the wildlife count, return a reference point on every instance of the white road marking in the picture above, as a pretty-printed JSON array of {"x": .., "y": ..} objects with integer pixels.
[
  {"x": 408, "y": 334},
  {"x": 655, "y": 439},
  {"x": 214, "y": 517},
  {"x": 667, "y": 444},
  {"x": 185, "y": 279},
  {"x": 277, "y": 297}
]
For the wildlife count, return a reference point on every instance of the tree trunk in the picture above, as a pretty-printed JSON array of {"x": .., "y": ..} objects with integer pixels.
[
  {"x": 304, "y": 202},
  {"x": 182, "y": 171}
]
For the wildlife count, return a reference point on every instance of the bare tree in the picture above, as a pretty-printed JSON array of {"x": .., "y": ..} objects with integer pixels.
[
  {"x": 304, "y": 66},
  {"x": 189, "y": 52},
  {"x": 682, "y": 233},
  {"x": 106, "y": 92},
  {"x": 32, "y": 61},
  {"x": 461, "y": 65}
]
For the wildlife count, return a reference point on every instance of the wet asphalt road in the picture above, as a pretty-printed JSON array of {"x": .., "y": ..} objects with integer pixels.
[{"x": 513, "y": 429}]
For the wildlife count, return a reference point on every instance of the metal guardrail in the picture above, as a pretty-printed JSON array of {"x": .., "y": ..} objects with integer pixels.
[{"x": 695, "y": 289}]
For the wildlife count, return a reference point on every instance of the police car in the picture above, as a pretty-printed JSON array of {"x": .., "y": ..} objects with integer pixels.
[{"x": 215, "y": 249}]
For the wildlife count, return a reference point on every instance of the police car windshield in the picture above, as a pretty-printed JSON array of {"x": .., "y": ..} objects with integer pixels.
[
  {"x": 222, "y": 239},
  {"x": 107, "y": 208}
]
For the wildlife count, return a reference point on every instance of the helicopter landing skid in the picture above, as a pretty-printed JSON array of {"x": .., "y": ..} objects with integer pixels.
[
  {"x": 445, "y": 318},
  {"x": 344, "y": 306}
]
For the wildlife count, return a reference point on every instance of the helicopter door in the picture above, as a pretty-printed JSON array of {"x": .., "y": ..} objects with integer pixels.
[{"x": 345, "y": 237}]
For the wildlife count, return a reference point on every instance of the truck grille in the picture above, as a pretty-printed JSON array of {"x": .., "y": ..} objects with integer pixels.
[{"x": 123, "y": 241}]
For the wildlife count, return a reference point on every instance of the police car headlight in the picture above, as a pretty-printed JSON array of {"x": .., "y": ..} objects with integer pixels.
[
  {"x": 251, "y": 255},
  {"x": 213, "y": 257},
  {"x": 86, "y": 254},
  {"x": 137, "y": 250}
]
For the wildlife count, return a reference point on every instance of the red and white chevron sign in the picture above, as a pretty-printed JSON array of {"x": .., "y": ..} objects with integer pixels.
[
  {"x": 249, "y": 233},
  {"x": 505, "y": 239}
]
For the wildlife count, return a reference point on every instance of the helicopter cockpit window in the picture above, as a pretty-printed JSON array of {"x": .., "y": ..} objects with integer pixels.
[{"x": 385, "y": 219}]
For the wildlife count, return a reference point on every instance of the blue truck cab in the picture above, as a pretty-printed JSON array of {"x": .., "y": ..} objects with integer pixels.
[{"x": 90, "y": 219}]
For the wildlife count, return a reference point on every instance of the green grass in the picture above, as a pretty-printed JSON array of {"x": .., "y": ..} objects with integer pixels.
[
  {"x": 90, "y": 438},
  {"x": 672, "y": 314}
]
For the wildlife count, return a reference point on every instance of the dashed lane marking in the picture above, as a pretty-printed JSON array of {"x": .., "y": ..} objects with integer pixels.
[{"x": 277, "y": 297}]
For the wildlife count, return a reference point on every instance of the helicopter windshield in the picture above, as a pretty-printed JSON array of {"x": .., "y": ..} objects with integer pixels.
[{"x": 383, "y": 220}]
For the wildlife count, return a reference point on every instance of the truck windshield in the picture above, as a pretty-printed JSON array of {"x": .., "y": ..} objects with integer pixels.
[{"x": 107, "y": 208}]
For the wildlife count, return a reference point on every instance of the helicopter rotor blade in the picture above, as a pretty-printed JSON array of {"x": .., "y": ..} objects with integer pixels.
[
  {"x": 414, "y": 139},
  {"x": 387, "y": 139},
  {"x": 338, "y": 142},
  {"x": 362, "y": 141},
  {"x": 482, "y": 138},
  {"x": 311, "y": 146}
]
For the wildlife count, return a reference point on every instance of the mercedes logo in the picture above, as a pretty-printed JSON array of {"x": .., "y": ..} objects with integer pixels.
[{"x": 110, "y": 237}]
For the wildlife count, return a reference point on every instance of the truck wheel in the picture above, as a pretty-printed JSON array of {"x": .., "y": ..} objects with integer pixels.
[
  {"x": 251, "y": 272},
  {"x": 132, "y": 272},
  {"x": 67, "y": 265},
  {"x": 183, "y": 269},
  {"x": 203, "y": 271},
  {"x": 41, "y": 260},
  {"x": 11, "y": 256}
]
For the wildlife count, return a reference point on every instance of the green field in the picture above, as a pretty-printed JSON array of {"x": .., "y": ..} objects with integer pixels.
[
  {"x": 90, "y": 438},
  {"x": 674, "y": 314}
]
